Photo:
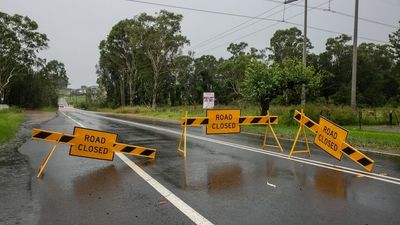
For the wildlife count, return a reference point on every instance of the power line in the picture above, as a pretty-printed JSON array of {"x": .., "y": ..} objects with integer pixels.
[
  {"x": 202, "y": 10},
  {"x": 243, "y": 16},
  {"x": 234, "y": 31},
  {"x": 335, "y": 32},
  {"x": 342, "y": 14},
  {"x": 200, "y": 44},
  {"x": 259, "y": 30},
  {"x": 292, "y": 23}
]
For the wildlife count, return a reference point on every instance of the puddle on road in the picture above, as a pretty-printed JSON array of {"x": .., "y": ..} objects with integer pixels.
[
  {"x": 102, "y": 180},
  {"x": 224, "y": 177},
  {"x": 331, "y": 183}
]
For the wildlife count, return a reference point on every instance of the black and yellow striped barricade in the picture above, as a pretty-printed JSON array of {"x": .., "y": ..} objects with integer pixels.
[
  {"x": 331, "y": 138},
  {"x": 226, "y": 121},
  {"x": 90, "y": 143}
]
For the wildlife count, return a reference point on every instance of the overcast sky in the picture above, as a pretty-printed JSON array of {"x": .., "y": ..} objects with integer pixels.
[{"x": 75, "y": 27}]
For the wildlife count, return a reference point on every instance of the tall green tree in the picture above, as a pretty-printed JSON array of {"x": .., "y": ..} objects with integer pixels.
[
  {"x": 287, "y": 44},
  {"x": 185, "y": 83},
  {"x": 262, "y": 84},
  {"x": 233, "y": 69},
  {"x": 118, "y": 56},
  {"x": 53, "y": 77},
  {"x": 375, "y": 64},
  {"x": 265, "y": 82},
  {"x": 294, "y": 75},
  {"x": 161, "y": 41},
  {"x": 394, "y": 40},
  {"x": 35, "y": 89},
  {"x": 394, "y": 81},
  {"x": 337, "y": 61},
  {"x": 19, "y": 44}
]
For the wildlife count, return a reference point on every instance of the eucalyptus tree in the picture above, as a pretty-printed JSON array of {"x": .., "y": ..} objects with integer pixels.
[
  {"x": 394, "y": 40},
  {"x": 53, "y": 77},
  {"x": 233, "y": 69},
  {"x": 287, "y": 44},
  {"x": 184, "y": 80},
  {"x": 19, "y": 44},
  {"x": 161, "y": 41},
  {"x": 118, "y": 56}
]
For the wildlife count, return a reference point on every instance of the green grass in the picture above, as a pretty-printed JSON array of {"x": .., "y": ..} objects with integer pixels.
[
  {"x": 9, "y": 123},
  {"x": 367, "y": 138}
]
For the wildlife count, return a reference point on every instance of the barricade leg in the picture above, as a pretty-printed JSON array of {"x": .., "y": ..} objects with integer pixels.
[
  {"x": 265, "y": 143},
  {"x": 183, "y": 139},
  {"x": 292, "y": 150},
  {"x": 49, "y": 156}
]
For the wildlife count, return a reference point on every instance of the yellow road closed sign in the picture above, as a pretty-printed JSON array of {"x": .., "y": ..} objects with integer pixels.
[
  {"x": 330, "y": 137},
  {"x": 93, "y": 144},
  {"x": 223, "y": 121}
]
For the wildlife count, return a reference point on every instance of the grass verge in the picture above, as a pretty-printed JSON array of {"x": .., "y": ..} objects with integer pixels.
[{"x": 9, "y": 123}]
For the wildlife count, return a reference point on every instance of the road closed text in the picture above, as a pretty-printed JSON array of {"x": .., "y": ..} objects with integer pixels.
[
  {"x": 94, "y": 149},
  {"x": 330, "y": 137},
  {"x": 223, "y": 121},
  {"x": 221, "y": 124},
  {"x": 93, "y": 144}
]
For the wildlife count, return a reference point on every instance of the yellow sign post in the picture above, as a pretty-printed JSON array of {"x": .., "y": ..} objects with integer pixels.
[
  {"x": 224, "y": 121},
  {"x": 93, "y": 144},
  {"x": 330, "y": 137}
]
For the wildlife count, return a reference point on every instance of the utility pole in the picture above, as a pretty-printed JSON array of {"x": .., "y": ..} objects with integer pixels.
[
  {"x": 354, "y": 69},
  {"x": 303, "y": 86}
]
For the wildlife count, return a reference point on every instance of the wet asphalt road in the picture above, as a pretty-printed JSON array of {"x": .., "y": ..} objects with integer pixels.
[{"x": 224, "y": 183}]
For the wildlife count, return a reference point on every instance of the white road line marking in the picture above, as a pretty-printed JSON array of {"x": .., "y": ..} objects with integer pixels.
[
  {"x": 196, "y": 217},
  {"x": 73, "y": 119},
  {"x": 343, "y": 169},
  {"x": 177, "y": 202}
]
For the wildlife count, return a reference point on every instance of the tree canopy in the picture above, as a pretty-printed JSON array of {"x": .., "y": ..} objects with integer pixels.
[
  {"x": 142, "y": 58},
  {"x": 25, "y": 79}
]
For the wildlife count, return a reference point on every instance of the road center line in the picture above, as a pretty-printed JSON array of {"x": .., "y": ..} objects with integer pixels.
[
  {"x": 175, "y": 200},
  {"x": 352, "y": 171}
]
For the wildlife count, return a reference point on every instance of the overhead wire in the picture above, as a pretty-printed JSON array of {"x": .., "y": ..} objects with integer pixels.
[
  {"x": 202, "y": 10},
  {"x": 254, "y": 32},
  {"x": 234, "y": 31},
  {"x": 249, "y": 17},
  {"x": 292, "y": 23},
  {"x": 342, "y": 14},
  {"x": 232, "y": 28}
]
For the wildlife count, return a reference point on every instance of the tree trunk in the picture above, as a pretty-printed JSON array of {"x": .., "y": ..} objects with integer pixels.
[
  {"x": 130, "y": 93},
  {"x": 122, "y": 90},
  {"x": 264, "y": 104},
  {"x": 154, "y": 94}
]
